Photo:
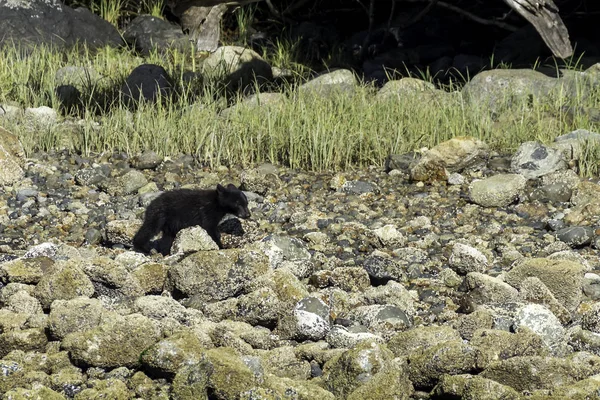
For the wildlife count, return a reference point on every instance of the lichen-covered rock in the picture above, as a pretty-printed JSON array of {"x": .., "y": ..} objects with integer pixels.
[
  {"x": 497, "y": 191},
  {"x": 340, "y": 337},
  {"x": 533, "y": 290},
  {"x": 230, "y": 375},
  {"x": 151, "y": 277},
  {"x": 117, "y": 341},
  {"x": 111, "y": 279},
  {"x": 467, "y": 324},
  {"x": 282, "y": 362},
  {"x": 465, "y": 259},
  {"x": 496, "y": 345},
  {"x": 122, "y": 231},
  {"x": 170, "y": 354},
  {"x": 427, "y": 365},
  {"x": 350, "y": 279},
  {"x": 564, "y": 278},
  {"x": 25, "y": 270},
  {"x": 541, "y": 321},
  {"x": 261, "y": 180},
  {"x": 106, "y": 389},
  {"x": 485, "y": 289},
  {"x": 217, "y": 275},
  {"x": 23, "y": 302},
  {"x": 420, "y": 337},
  {"x": 467, "y": 386},
  {"x": 532, "y": 373},
  {"x": 65, "y": 280},
  {"x": 389, "y": 236},
  {"x": 533, "y": 160},
  {"x": 384, "y": 268},
  {"x": 308, "y": 321},
  {"x": 342, "y": 375},
  {"x": 383, "y": 319},
  {"x": 191, "y": 381},
  {"x": 160, "y": 307},
  {"x": 75, "y": 315},
  {"x": 286, "y": 387},
  {"x": 287, "y": 252},
  {"x": 191, "y": 240},
  {"x": 33, "y": 339},
  {"x": 453, "y": 155}
]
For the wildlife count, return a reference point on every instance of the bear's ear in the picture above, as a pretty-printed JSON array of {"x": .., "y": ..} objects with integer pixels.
[
  {"x": 220, "y": 188},
  {"x": 231, "y": 186}
]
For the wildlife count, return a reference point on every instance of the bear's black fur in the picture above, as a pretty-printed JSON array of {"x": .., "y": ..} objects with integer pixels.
[{"x": 178, "y": 209}]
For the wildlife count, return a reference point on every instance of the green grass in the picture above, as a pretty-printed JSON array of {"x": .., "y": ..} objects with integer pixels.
[{"x": 302, "y": 131}]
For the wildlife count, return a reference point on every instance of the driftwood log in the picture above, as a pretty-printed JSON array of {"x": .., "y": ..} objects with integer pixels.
[
  {"x": 202, "y": 19},
  {"x": 543, "y": 15}
]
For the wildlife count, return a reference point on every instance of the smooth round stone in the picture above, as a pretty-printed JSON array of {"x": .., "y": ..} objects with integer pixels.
[{"x": 576, "y": 235}]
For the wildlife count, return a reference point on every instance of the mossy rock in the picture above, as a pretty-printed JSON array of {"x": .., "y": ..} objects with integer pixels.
[
  {"x": 564, "y": 278},
  {"x": 282, "y": 388},
  {"x": 230, "y": 376},
  {"x": 495, "y": 345},
  {"x": 191, "y": 381},
  {"x": 217, "y": 275},
  {"x": 355, "y": 367},
  {"x": 405, "y": 343},
  {"x": 64, "y": 281},
  {"x": 389, "y": 383},
  {"x": 33, "y": 339},
  {"x": 75, "y": 315},
  {"x": 118, "y": 341},
  {"x": 151, "y": 276},
  {"x": 113, "y": 389},
  {"x": 453, "y": 357},
  {"x": 170, "y": 354},
  {"x": 39, "y": 392},
  {"x": 472, "y": 387},
  {"x": 25, "y": 270}
]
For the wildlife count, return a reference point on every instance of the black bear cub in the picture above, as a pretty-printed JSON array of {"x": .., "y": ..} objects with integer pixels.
[{"x": 178, "y": 209}]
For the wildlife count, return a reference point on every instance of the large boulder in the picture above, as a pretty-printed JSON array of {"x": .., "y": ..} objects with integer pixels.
[
  {"x": 238, "y": 66},
  {"x": 50, "y": 22},
  {"x": 147, "y": 33}
]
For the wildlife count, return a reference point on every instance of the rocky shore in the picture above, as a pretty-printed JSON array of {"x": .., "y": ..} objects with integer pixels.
[{"x": 454, "y": 273}]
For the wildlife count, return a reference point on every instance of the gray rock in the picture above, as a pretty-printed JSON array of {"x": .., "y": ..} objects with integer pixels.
[
  {"x": 533, "y": 160},
  {"x": 339, "y": 81},
  {"x": 456, "y": 179},
  {"x": 501, "y": 89},
  {"x": 170, "y": 354},
  {"x": 388, "y": 235},
  {"x": 576, "y": 236},
  {"x": 21, "y": 22},
  {"x": 404, "y": 87},
  {"x": 147, "y": 160},
  {"x": 239, "y": 67},
  {"x": 579, "y": 134},
  {"x": 401, "y": 162},
  {"x": 382, "y": 319},
  {"x": 497, "y": 191},
  {"x": 358, "y": 187},
  {"x": 148, "y": 33},
  {"x": 148, "y": 82},
  {"x": 10, "y": 170},
  {"x": 555, "y": 192},
  {"x": 280, "y": 249},
  {"x": 83, "y": 78},
  {"x": 90, "y": 176}
]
